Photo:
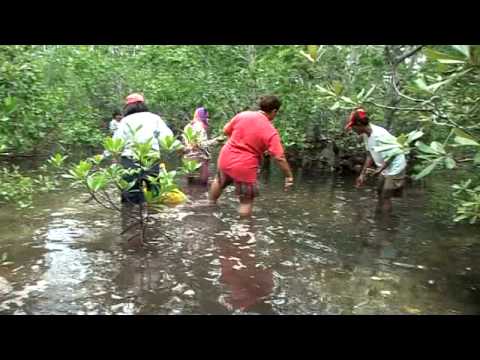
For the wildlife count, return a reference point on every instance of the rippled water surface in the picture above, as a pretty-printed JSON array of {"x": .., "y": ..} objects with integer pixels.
[{"x": 319, "y": 249}]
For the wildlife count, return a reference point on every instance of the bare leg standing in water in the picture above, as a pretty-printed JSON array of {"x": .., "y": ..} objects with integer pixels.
[
  {"x": 390, "y": 187},
  {"x": 215, "y": 191},
  {"x": 251, "y": 134},
  {"x": 246, "y": 207},
  {"x": 245, "y": 191}
]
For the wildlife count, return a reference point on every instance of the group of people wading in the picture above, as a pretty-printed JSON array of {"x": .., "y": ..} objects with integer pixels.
[{"x": 251, "y": 134}]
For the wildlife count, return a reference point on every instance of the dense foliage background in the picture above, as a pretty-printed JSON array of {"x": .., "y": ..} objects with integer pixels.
[{"x": 54, "y": 96}]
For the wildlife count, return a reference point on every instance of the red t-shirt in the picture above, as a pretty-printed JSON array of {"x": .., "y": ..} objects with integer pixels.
[{"x": 251, "y": 134}]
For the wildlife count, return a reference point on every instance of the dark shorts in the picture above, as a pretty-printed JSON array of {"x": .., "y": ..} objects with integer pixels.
[
  {"x": 245, "y": 191},
  {"x": 391, "y": 186}
]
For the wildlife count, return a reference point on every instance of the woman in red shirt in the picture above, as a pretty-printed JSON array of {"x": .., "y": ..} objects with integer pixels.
[{"x": 251, "y": 134}]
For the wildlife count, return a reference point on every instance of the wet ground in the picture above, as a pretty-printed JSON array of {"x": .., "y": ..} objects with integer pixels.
[{"x": 318, "y": 249}]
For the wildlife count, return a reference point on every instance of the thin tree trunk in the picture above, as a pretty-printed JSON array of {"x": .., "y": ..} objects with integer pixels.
[
  {"x": 392, "y": 99},
  {"x": 394, "y": 56},
  {"x": 252, "y": 59}
]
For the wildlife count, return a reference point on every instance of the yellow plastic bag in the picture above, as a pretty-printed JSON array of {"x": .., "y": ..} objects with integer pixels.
[{"x": 175, "y": 197}]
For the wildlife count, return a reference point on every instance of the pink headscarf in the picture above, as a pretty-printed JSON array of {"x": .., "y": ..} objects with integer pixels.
[{"x": 201, "y": 114}]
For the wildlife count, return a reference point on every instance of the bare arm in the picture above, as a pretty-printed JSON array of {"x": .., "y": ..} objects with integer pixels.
[
  {"x": 361, "y": 178},
  {"x": 285, "y": 167},
  {"x": 275, "y": 149},
  {"x": 368, "y": 163},
  {"x": 384, "y": 166},
  {"x": 228, "y": 128}
]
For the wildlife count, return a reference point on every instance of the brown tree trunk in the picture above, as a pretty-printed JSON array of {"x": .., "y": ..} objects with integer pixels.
[{"x": 392, "y": 99}]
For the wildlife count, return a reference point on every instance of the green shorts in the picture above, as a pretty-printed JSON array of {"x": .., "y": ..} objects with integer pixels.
[{"x": 391, "y": 185}]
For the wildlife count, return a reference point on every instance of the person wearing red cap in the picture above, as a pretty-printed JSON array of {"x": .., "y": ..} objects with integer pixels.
[
  {"x": 392, "y": 171},
  {"x": 251, "y": 134},
  {"x": 149, "y": 126}
]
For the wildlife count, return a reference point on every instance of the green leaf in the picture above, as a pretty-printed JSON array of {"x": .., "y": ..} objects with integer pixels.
[
  {"x": 360, "y": 94},
  {"x": 307, "y": 56},
  {"x": 96, "y": 159},
  {"x": 421, "y": 84},
  {"x": 114, "y": 146},
  {"x": 466, "y": 142},
  {"x": 450, "y": 61},
  {"x": 426, "y": 171},
  {"x": 190, "y": 136},
  {"x": 425, "y": 148},
  {"x": 464, "y": 49},
  {"x": 335, "y": 106},
  {"x": 169, "y": 143},
  {"x": 438, "y": 147},
  {"x": 57, "y": 160},
  {"x": 476, "y": 159},
  {"x": 437, "y": 55},
  {"x": 414, "y": 135},
  {"x": 189, "y": 166},
  {"x": 81, "y": 170},
  {"x": 402, "y": 139},
  {"x": 10, "y": 104},
  {"x": 427, "y": 157},
  {"x": 313, "y": 51},
  {"x": 323, "y": 90},
  {"x": 337, "y": 87},
  {"x": 462, "y": 134},
  {"x": 460, "y": 218},
  {"x": 449, "y": 163},
  {"x": 90, "y": 181},
  {"x": 122, "y": 184},
  {"x": 369, "y": 92},
  {"x": 348, "y": 100},
  {"x": 96, "y": 182},
  {"x": 434, "y": 87},
  {"x": 148, "y": 196}
]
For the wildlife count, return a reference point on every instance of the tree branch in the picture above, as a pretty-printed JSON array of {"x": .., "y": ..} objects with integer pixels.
[
  {"x": 398, "y": 108},
  {"x": 399, "y": 59},
  {"x": 107, "y": 197},
  {"x": 394, "y": 84}
]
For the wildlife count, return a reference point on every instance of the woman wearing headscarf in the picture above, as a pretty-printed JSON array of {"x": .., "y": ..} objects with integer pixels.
[{"x": 196, "y": 143}]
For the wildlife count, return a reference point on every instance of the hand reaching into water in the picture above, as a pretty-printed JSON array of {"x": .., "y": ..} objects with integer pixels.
[
  {"x": 360, "y": 181},
  {"x": 363, "y": 176}
]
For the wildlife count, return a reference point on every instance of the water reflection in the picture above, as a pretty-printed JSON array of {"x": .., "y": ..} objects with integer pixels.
[
  {"x": 248, "y": 281},
  {"x": 318, "y": 249}
]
